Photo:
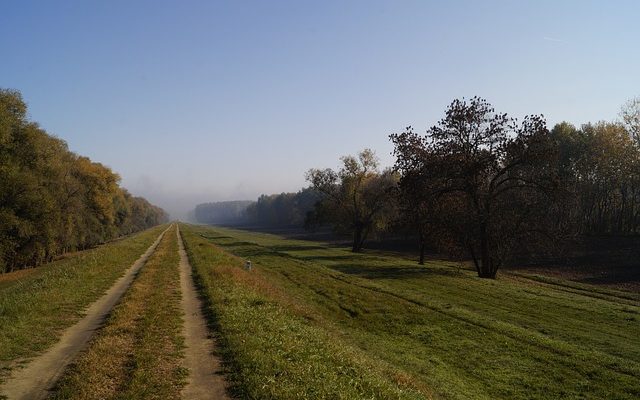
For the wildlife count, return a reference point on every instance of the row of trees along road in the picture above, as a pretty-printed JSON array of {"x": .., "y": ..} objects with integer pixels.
[
  {"x": 482, "y": 184},
  {"x": 52, "y": 200}
]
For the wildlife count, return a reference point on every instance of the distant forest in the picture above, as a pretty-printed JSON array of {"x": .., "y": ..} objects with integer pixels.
[
  {"x": 273, "y": 211},
  {"x": 52, "y": 200},
  {"x": 223, "y": 212},
  {"x": 478, "y": 184}
]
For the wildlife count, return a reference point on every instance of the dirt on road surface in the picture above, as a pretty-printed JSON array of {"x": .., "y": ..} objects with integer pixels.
[
  {"x": 205, "y": 380},
  {"x": 36, "y": 379}
]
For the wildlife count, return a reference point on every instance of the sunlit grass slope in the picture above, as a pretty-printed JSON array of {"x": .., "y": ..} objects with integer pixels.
[
  {"x": 278, "y": 348},
  {"x": 438, "y": 329},
  {"x": 37, "y": 305}
]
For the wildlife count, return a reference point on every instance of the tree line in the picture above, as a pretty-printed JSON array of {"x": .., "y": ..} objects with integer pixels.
[
  {"x": 222, "y": 212},
  {"x": 52, "y": 200},
  {"x": 282, "y": 210},
  {"x": 480, "y": 184},
  {"x": 483, "y": 185}
]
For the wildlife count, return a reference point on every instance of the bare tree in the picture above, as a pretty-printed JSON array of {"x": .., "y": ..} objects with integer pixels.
[{"x": 630, "y": 114}]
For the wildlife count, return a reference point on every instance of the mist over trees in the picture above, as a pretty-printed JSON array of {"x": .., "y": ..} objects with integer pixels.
[
  {"x": 478, "y": 185},
  {"x": 223, "y": 212},
  {"x": 52, "y": 200},
  {"x": 284, "y": 210}
]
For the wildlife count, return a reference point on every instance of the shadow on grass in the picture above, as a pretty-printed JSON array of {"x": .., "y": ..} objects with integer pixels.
[
  {"x": 356, "y": 265},
  {"x": 616, "y": 277},
  {"x": 236, "y": 244},
  {"x": 361, "y": 258},
  {"x": 351, "y": 264},
  {"x": 393, "y": 272},
  {"x": 286, "y": 248},
  {"x": 208, "y": 236}
]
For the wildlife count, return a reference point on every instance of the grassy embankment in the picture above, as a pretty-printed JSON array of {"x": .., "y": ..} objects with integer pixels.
[
  {"x": 138, "y": 353},
  {"x": 273, "y": 349},
  {"x": 313, "y": 321},
  {"x": 36, "y": 305}
]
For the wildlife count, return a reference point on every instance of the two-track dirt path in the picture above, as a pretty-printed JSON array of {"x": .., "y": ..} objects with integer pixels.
[
  {"x": 205, "y": 380},
  {"x": 38, "y": 377}
]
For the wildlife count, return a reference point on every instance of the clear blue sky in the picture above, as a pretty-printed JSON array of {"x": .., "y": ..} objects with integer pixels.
[{"x": 193, "y": 101}]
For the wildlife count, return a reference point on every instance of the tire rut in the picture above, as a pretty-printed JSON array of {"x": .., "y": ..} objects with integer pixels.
[{"x": 205, "y": 380}]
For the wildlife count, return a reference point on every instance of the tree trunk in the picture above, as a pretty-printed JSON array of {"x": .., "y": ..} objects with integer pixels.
[
  {"x": 363, "y": 237},
  {"x": 488, "y": 267},
  {"x": 422, "y": 247},
  {"x": 357, "y": 239},
  {"x": 476, "y": 262}
]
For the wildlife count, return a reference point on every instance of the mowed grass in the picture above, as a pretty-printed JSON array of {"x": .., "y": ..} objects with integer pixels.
[
  {"x": 436, "y": 329},
  {"x": 37, "y": 305},
  {"x": 138, "y": 353},
  {"x": 274, "y": 348}
]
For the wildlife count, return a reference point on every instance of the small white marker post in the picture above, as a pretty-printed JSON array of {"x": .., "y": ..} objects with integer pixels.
[{"x": 247, "y": 265}]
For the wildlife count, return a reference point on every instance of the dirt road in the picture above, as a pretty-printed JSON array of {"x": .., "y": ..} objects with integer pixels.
[
  {"x": 36, "y": 379},
  {"x": 205, "y": 380}
]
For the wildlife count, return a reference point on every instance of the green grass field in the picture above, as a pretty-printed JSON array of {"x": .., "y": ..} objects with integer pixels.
[
  {"x": 36, "y": 305},
  {"x": 314, "y": 321}
]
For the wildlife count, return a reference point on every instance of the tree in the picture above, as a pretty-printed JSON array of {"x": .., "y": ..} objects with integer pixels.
[
  {"x": 356, "y": 198},
  {"x": 480, "y": 178},
  {"x": 282, "y": 210},
  {"x": 52, "y": 200},
  {"x": 599, "y": 168},
  {"x": 630, "y": 114},
  {"x": 417, "y": 186}
]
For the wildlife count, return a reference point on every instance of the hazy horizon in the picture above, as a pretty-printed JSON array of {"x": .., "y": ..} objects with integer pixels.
[{"x": 201, "y": 102}]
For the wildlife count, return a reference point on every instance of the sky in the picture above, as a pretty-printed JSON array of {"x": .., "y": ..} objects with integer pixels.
[{"x": 197, "y": 101}]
